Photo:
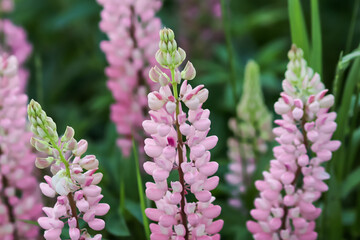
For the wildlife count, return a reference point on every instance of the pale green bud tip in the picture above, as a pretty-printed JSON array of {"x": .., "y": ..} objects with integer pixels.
[
  {"x": 252, "y": 72},
  {"x": 295, "y": 53},
  {"x": 166, "y": 34}
]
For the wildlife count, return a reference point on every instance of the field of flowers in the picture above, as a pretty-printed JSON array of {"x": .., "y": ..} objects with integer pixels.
[{"x": 179, "y": 120}]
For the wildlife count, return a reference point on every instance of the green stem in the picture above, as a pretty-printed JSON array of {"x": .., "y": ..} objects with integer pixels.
[
  {"x": 230, "y": 50},
  {"x": 180, "y": 146},
  {"x": 141, "y": 192},
  {"x": 122, "y": 196}
]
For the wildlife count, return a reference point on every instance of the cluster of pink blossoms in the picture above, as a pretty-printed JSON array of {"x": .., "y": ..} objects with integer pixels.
[
  {"x": 74, "y": 179},
  {"x": 252, "y": 131},
  {"x": 173, "y": 134},
  {"x": 19, "y": 194},
  {"x": 285, "y": 208},
  {"x": 132, "y": 28},
  {"x": 15, "y": 43}
]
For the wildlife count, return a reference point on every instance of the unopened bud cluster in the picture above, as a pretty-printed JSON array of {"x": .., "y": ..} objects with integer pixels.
[
  {"x": 252, "y": 131},
  {"x": 74, "y": 179},
  {"x": 171, "y": 57},
  {"x": 20, "y": 198}
]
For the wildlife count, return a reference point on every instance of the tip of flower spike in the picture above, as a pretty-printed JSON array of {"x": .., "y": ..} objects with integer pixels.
[
  {"x": 295, "y": 53},
  {"x": 166, "y": 34}
]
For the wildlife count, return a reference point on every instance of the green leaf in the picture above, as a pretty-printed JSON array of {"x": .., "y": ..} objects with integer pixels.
[
  {"x": 141, "y": 191},
  {"x": 133, "y": 208},
  {"x": 116, "y": 225},
  {"x": 350, "y": 183},
  {"x": 299, "y": 34},
  {"x": 29, "y": 222},
  {"x": 343, "y": 116},
  {"x": 349, "y": 57},
  {"x": 331, "y": 216},
  {"x": 316, "y": 52}
]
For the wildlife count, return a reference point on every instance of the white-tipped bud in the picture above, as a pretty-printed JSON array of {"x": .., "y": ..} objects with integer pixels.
[
  {"x": 40, "y": 145},
  {"x": 43, "y": 162},
  {"x": 159, "y": 56},
  {"x": 177, "y": 58},
  {"x": 68, "y": 135},
  {"x": 51, "y": 123},
  {"x": 182, "y": 54},
  {"x": 189, "y": 71},
  {"x": 154, "y": 75},
  {"x": 81, "y": 148}
]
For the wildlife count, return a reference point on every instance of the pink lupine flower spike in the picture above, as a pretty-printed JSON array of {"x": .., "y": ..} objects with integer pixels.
[
  {"x": 20, "y": 197},
  {"x": 74, "y": 179},
  {"x": 174, "y": 134},
  {"x": 285, "y": 208}
]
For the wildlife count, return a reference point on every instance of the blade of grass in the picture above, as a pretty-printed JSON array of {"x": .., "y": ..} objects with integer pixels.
[
  {"x": 122, "y": 196},
  {"x": 343, "y": 117},
  {"x": 299, "y": 34},
  {"x": 141, "y": 192},
  {"x": 230, "y": 49},
  {"x": 343, "y": 63},
  {"x": 338, "y": 82},
  {"x": 353, "y": 126},
  {"x": 350, "y": 183},
  {"x": 316, "y": 48},
  {"x": 352, "y": 26}
]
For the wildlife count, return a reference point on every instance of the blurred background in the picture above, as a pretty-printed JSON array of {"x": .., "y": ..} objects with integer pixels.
[{"x": 67, "y": 78}]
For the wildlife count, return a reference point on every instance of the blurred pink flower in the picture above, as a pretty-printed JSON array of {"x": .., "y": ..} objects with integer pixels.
[
  {"x": 16, "y": 159},
  {"x": 15, "y": 43},
  {"x": 132, "y": 29}
]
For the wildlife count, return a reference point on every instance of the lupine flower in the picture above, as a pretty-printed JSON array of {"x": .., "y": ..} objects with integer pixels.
[
  {"x": 179, "y": 143},
  {"x": 15, "y": 43},
  {"x": 252, "y": 131},
  {"x": 6, "y": 5},
  {"x": 20, "y": 198},
  {"x": 132, "y": 28},
  {"x": 74, "y": 181},
  {"x": 285, "y": 208}
]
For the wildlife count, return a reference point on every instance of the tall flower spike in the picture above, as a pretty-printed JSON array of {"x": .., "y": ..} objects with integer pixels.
[
  {"x": 16, "y": 43},
  {"x": 252, "y": 131},
  {"x": 74, "y": 179},
  {"x": 174, "y": 134},
  {"x": 285, "y": 208},
  {"x": 132, "y": 28},
  {"x": 20, "y": 197}
]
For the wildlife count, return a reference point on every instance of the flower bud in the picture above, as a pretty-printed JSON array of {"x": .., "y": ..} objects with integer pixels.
[
  {"x": 68, "y": 135},
  {"x": 81, "y": 148},
  {"x": 189, "y": 71}
]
